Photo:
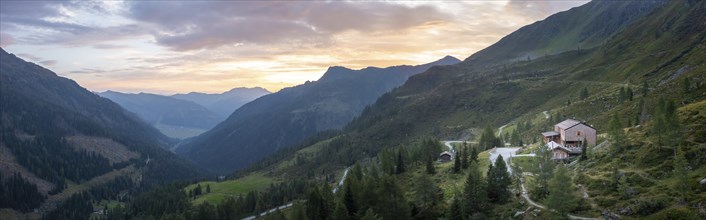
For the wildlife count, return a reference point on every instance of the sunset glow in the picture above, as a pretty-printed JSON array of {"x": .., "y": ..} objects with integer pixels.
[{"x": 173, "y": 47}]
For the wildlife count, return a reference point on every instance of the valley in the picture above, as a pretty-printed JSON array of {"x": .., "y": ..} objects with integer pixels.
[{"x": 594, "y": 112}]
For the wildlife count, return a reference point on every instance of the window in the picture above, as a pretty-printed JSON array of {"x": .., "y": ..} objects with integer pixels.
[{"x": 578, "y": 133}]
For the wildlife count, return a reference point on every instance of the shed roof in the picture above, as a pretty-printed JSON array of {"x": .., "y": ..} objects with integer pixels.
[{"x": 550, "y": 133}]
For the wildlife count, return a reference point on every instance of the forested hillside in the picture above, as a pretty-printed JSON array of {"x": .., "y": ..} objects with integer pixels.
[{"x": 66, "y": 140}]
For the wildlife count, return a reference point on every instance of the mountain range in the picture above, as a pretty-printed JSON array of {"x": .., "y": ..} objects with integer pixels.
[
  {"x": 285, "y": 118},
  {"x": 223, "y": 104},
  {"x": 64, "y": 138},
  {"x": 184, "y": 115}
]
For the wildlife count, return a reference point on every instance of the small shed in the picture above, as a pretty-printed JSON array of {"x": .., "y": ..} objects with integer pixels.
[
  {"x": 551, "y": 136},
  {"x": 446, "y": 156},
  {"x": 559, "y": 152}
]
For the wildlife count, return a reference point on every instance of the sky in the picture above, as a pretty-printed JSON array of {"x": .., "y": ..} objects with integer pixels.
[{"x": 168, "y": 47}]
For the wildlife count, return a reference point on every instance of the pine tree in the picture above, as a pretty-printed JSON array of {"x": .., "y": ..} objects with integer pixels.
[
  {"x": 392, "y": 203},
  {"x": 455, "y": 211},
  {"x": 349, "y": 199},
  {"x": 326, "y": 200},
  {"x": 617, "y": 175},
  {"x": 464, "y": 159},
  {"x": 357, "y": 172},
  {"x": 616, "y": 133},
  {"x": 197, "y": 190},
  {"x": 298, "y": 212},
  {"x": 387, "y": 160},
  {"x": 545, "y": 167},
  {"x": 400, "y": 163},
  {"x": 426, "y": 195},
  {"x": 584, "y": 93},
  {"x": 474, "y": 154},
  {"x": 498, "y": 182},
  {"x": 475, "y": 195},
  {"x": 370, "y": 215},
  {"x": 488, "y": 139},
  {"x": 314, "y": 205},
  {"x": 341, "y": 213},
  {"x": 622, "y": 96},
  {"x": 208, "y": 188},
  {"x": 584, "y": 150},
  {"x": 457, "y": 164},
  {"x": 630, "y": 94},
  {"x": 681, "y": 173},
  {"x": 562, "y": 197},
  {"x": 430, "y": 166}
]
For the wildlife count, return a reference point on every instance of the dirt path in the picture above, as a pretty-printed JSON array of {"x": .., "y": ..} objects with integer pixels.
[{"x": 535, "y": 204}]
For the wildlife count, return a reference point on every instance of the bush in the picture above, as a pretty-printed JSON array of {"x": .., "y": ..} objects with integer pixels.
[
  {"x": 647, "y": 206},
  {"x": 682, "y": 213},
  {"x": 606, "y": 201}
]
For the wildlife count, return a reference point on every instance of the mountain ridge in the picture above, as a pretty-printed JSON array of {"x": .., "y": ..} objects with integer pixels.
[{"x": 294, "y": 114}]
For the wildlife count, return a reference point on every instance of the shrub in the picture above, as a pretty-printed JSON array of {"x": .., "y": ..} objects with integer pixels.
[
  {"x": 647, "y": 206},
  {"x": 682, "y": 213}
]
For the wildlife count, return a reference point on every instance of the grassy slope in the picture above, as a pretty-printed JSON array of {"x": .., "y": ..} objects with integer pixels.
[
  {"x": 256, "y": 181},
  {"x": 231, "y": 188},
  {"x": 648, "y": 169}
]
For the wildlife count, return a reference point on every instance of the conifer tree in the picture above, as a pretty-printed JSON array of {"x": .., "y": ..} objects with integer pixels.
[
  {"x": 630, "y": 94},
  {"x": 341, "y": 213},
  {"x": 357, "y": 172},
  {"x": 475, "y": 195},
  {"x": 298, "y": 212},
  {"x": 430, "y": 166},
  {"x": 455, "y": 211},
  {"x": 464, "y": 159},
  {"x": 208, "y": 188},
  {"x": 370, "y": 215},
  {"x": 400, "y": 168},
  {"x": 391, "y": 200},
  {"x": 545, "y": 167},
  {"x": 426, "y": 197},
  {"x": 584, "y": 150},
  {"x": 617, "y": 175},
  {"x": 584, "y": 93},
  {"x": 314, "y": 205},
  {"x": 498, "y": 182},
  {"x": 457, "y": 164},
  {"x": 681, "y": 173},
  {"x": 474, "y": 154},
  {"x": 562, "y": 197},
  {"x": 616, "y": 133},
  {"x": 349, "y": 199}
]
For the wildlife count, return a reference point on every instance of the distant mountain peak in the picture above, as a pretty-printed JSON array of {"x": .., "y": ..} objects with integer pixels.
[
  {"x": 257, "y": 88},
  {"x": 448, "y": 59}
]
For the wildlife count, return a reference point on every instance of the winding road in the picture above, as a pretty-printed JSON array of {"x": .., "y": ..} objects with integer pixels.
[
  {"x": 289, "y": 205},
  {"x": 451, "y": 147}
]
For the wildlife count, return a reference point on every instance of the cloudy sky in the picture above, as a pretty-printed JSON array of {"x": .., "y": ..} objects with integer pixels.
[{"x": 212, "y": 46}]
